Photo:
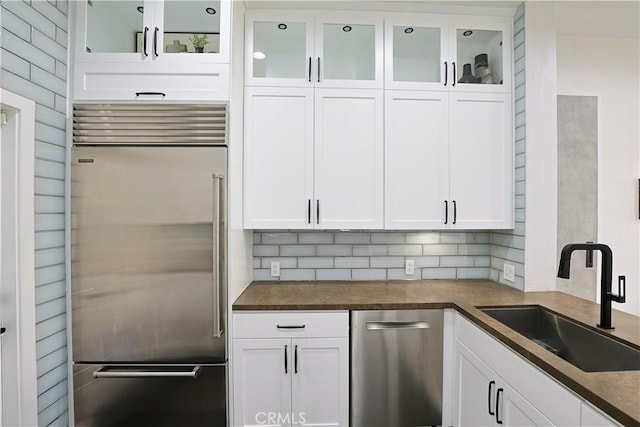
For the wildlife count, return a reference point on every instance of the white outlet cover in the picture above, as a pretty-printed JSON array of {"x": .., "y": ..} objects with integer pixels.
[
  {"x": 510, "y": 272},
  {"x": 409, "y": 267},
  {"x": 275, "y": 269}
]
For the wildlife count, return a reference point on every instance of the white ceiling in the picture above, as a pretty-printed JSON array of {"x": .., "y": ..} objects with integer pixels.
[{"x": 599, "y": 18}]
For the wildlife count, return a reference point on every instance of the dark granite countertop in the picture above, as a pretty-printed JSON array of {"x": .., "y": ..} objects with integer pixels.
[{"x": 616, "y": 393}]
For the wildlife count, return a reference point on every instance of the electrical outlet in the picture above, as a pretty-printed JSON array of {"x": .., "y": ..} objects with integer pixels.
[
  {"x": 275, "y": 269},
  {"x": 408, "y": 267},
  {"x": 509, "y": 272}
]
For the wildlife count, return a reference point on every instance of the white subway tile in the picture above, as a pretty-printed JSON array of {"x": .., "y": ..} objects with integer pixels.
[
  {"x": 398, "y": 274},
  {"x": 387, "y": 238},
  {"x": 51, "y": 291},
  {"x": 61, "y": 36},
  {"x": 297, "y": 274},
  {"x": 423, "y": 238},
  {"x": 49, "y": 204},
  {"x": 44, "y": 257},
  {"x": 27, "y": 89},
  {"x": 265, "y": 250},
  {"x": 315, "y": 262},
  {"x": 50, "y": 327},
  {"x": 262, "y": 274},
  {"x": 335, "y": 250},
  {"x": 15, "y": 64},
  {"x": 426, "y": 261},
  {"x": 51, "y": 12},
  {"x": 52, "y": 118},
  {"x": 352, "y": 262},
  {"x": 438, "y": 273},
  {"x": 369, "y": 274},
  {"x": 386, "y": 261},
  {"x": 279, "y": 238},
  {"x": 48, "y": 80},
  {"x": 50, "y": 274},
  {"x": 50, "y": 309},
  {"x": 316, "y": 238},
  {"x": 473, "y": 273},
  {"x": 297, "y": 250},
  {"x": 456, "y": 261},
  {"x": 47, "y": 169},
  {"x": 257, "y": 238},
  {"x": 408, "y": 250},
  {"x": 353, "y": 237},
  {"x": 49, "y": 239},
  {"x": 370, "y": 250},
  {"x": 50, "y": 134},
  {"x": 333, "y": 274},
  {"x": 44, "y": 222},
  {"x": 441, "y": 249},
  {"x": 471, "y": 249},
  {"x": 30, "y": 16}
]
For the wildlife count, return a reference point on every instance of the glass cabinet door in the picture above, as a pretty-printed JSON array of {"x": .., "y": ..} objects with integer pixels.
[
  {"x": 114, "y": 26},
  {"x": 349, "y": 53},
  {"x": 415, "y": 53},
  {"x": 191, "y": 26},
  {"x": 279, "y": 50},
  {"x": 480, "y": 57}
]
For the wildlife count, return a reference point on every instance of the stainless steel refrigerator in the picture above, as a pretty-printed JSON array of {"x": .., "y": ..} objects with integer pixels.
[{"x": 148, "y": 256}]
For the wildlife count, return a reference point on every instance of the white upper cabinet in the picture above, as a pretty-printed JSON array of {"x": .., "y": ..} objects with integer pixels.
[
  {"x": 169, "y": 31},
  {"x": 325, "y": 49},
  {"x": 448, "y": 53}
]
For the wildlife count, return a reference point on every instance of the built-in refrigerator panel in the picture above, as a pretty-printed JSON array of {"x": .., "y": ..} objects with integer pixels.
[
  {"x": 158, "y": 396},
  {"x": 147, "y": 224}
]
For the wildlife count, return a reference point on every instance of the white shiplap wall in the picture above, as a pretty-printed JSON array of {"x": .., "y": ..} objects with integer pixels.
[
  {"x": 508, "y": 245},
  {"x": 34, "y": 65}
]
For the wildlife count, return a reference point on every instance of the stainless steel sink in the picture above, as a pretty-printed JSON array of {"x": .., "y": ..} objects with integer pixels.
[{"x": 584, "y": 348}]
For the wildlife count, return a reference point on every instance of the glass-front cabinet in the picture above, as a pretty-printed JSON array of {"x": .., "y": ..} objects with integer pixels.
[
  {"x": 448, "y": 53},
  {"x": 326, "y": 50},
  {"x": 153, "y": 30}
]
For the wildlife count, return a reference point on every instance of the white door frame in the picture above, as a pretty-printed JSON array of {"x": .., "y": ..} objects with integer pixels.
[{"x": 18, "y": 266}]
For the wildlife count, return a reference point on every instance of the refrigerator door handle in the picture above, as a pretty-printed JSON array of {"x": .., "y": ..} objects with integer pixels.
[
  {"x": 217, "y": 303},
  {"x": 111, "y": 372}
]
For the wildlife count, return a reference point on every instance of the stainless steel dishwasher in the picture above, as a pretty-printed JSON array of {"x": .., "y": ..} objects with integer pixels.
[{"x": 396, "y": 368}]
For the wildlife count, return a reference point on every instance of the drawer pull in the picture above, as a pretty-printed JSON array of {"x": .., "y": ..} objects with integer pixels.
[
  {"x": 381, "y": 326},
  {"x": 290, "y": 326}
]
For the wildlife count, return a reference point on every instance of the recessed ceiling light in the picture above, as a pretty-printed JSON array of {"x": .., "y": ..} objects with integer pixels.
[
  {"x": 282, "y": 26},
  {"x": 467, "y": 33},
  {"x": 259, "y": 55},
  {"x": 140, "y": 9},
  {"x": 210, "y": 11},
  {"x": 408, "y": 30},
  {"x": 346, "y": 28}
]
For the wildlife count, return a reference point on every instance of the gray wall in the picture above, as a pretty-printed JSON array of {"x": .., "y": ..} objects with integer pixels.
[
  {"x": 578, "y": 187},
  {"x": 34, "y": 65},
  {"x": 508, "y": 246}
]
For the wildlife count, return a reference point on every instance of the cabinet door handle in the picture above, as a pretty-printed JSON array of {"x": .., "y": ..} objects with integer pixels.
[
  {"x": 295, "y": 360},
  {"x": 491, "y": 384},
  {"x": 144, "y": 42},
  {"x": 286, "y": 362},
  {"x": 446, "y": 73},
  {"x": 318, "y": 69},
  {"x": 3, "y": 330},
  {"x": 309, "y": 211},
  {"x": 318, "y": 211},
  {"x": 162, "y": 94},
  {"x": 155, "y": 41},
  {"x": 309, "y": 69},
  {"x": 498, "y": 420},
  {"x": 446, "y": 211},
  {"x": 455, "y": 212},
  {"x": 454, "y": 74}
]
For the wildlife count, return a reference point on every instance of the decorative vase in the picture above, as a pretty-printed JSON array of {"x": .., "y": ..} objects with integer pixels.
[
  {"x": 482, "y": 69},
  {"x": 467, "y": 77},
  {"x": 199, "y": 49}
]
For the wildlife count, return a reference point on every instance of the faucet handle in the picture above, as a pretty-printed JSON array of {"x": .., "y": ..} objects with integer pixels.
[{"x": 622, "y": 290}]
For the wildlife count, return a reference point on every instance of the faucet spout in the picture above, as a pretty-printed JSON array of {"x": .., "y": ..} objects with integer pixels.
[{"x": 606, "y": 297}]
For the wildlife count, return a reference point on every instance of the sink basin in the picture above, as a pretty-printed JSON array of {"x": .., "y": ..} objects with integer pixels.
[{"x": 584, "y": 348}]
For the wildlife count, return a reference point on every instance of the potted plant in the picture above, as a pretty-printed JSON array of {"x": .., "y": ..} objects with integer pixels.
[{"x": 199, "y": 41}]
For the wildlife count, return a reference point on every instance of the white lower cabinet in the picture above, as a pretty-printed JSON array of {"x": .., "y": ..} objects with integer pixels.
[
  {"x": 299, "y": 376},
  {"x": 497, "y": 387}
]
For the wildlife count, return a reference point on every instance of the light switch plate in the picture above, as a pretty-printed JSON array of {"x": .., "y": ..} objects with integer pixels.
[
  {"x": 509, "y": 272},
  {"x": 275, "y": 269}
]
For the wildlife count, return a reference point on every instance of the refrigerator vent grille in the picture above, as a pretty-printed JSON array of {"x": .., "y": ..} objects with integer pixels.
[{"x": 149, "y": 124}]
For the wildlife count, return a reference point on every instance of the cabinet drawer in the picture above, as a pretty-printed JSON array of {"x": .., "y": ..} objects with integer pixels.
[
  {"x": 287, "y": 324},
  {"x": 122, "y": 81}
]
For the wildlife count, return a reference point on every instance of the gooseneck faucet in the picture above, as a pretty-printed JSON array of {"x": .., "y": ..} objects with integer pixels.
[{"x": 606, "y": 296}]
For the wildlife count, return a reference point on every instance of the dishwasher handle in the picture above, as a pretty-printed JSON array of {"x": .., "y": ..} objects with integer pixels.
[{"x": 390, "y": 325}]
